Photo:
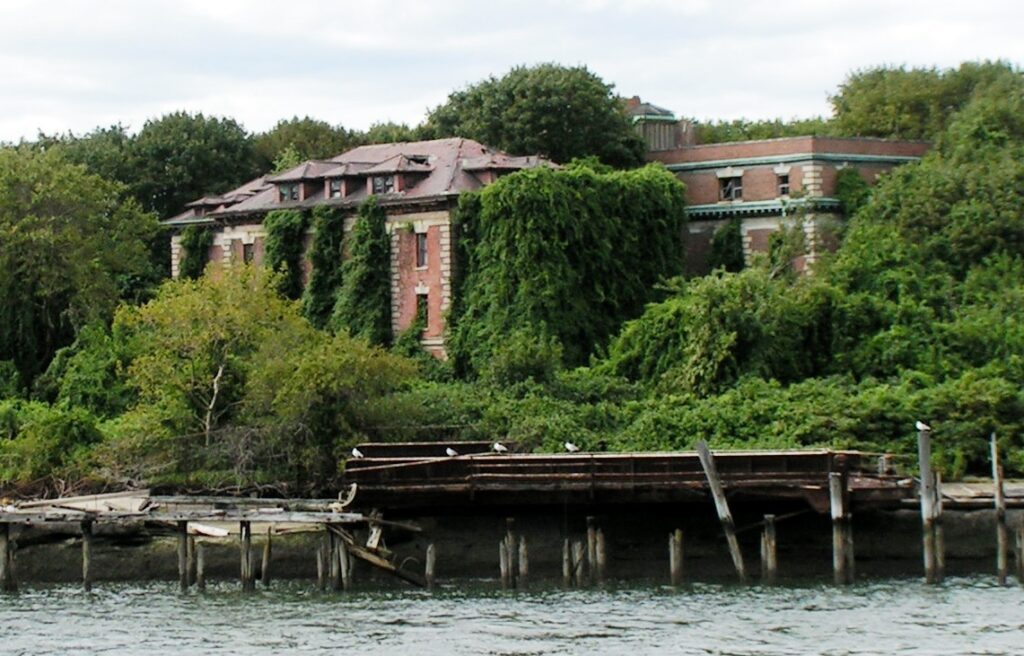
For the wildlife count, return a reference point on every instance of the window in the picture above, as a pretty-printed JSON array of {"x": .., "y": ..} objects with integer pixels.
[
  {"x": 784, "y": 185},
  {"x": 383, "y": 184},
  {"x": 422, "y": 311},
  {"x": 731, "y": 188},
  {"x": 334, "y": 188},
  {"x": 248, "y": 252},
  {"x": 421, "y": 249},
  {"x": 286, "y": 192}
]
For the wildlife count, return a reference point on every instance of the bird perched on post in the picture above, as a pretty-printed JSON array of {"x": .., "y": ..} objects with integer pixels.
[
  {"x": 921, "y": 426},
  {"x": 356, "y": 453},
  {"x": 498, "y": 447},
  {"x": 451, "y": 452},
  {"x": 571, "y": 448}
]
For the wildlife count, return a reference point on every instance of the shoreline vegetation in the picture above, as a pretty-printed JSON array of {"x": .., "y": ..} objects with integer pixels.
[{"x": 571, "y": 321}]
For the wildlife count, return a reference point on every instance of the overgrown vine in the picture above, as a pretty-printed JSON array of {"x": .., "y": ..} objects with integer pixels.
[
  {"x": 325, "y": 256},
  {"x": 363, "y": 306},
  {"x": 195, "y": 241},
  {"x": 286, "y": 234}
]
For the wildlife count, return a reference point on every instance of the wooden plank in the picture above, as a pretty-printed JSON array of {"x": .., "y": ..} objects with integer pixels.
[
  {"x": 999, "y": 499},
  {"x": 707, "y": 461}
]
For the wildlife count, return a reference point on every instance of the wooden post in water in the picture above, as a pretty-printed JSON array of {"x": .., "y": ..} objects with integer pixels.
[
  {"x": 190, "y": 562},
  {"x": 503, "y": 564},
  {"x": 707, "y": 461},
  {"x": 924, "y": 457},
  {"x": 840, "y": 520},
  {"x": 7, "y": 580},
  {"x": 344, "y": 565},
  {"x": 332, "y": 559},
  {"x": 265, "y": 565},
  {"x": 998, "y": 494},
  {"x": 430, "y": 566},
  {"x": 566, "y": 563},
  {"x": 321, "y": 579},
  {"x": 87, "y": 554},
  {"x": 938, "y": 528},
  {"x": 769, "y": 559},
  {"x": 1020, "y": 554},
  {"x": 602, "y": 557},
  {"x": 200, "y": 566},
  {"x": 511, "y": 550},
  {"x": 591, "y": 549},
  {"x": 675, "y": 557},
  {"x": 579, "y": 563},
  {"x": 524, "y": 562},
  {"x": 183, "y": 556},
  {"x": 245, "y": 556}
]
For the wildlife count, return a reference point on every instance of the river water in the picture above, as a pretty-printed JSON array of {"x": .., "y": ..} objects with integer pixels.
[{"x": 968, "y": 615}]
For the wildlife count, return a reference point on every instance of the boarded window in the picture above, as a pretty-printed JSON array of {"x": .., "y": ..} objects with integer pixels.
[{"x": 421, "y": 249}]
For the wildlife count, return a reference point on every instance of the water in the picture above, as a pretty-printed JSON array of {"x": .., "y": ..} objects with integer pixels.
[{"x": 895, "y": 616}]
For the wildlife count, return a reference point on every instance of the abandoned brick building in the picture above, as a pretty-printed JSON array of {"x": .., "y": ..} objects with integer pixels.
[
  {"x": 418, "y": 185},
  {"x": 764, "y": 183}
]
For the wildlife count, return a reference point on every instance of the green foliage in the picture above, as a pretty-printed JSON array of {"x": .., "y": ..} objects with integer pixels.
[
  {"x": 10, "y": 380},
  {"x": 852, "y": 191},
  {"x": 389, "y": 133},
  {"x": 40, "y": 444},
  {"x": 525, "y": 355},
  {"x": 363, "y": 306},
  {"x": 325, "y": 257},
  {"x": 285, "y": 244},
  {"x": 572, "y": 253},
  {"x": 303, "y": 139},
  {"x": 714, "y": 330},
  {"x": 180, "y": 157},
  {"x": 70, "y": 249},
  {"x": 556, "y": 111},
  {"x": 727, "y": 247},
  {"x": 744, "y": 129},
  {"x": 196, "y": 241},
  {"x": 916, "y": 103}
]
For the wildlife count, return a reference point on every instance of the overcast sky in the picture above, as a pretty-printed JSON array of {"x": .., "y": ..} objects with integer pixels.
[{"x": 76, "y": 64}]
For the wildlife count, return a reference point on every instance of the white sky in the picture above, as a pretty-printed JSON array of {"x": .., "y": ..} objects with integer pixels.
[{"x": 73, "y": 65}]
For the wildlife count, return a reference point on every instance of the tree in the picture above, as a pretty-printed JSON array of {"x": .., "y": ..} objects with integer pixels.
[
  {"x": 71, "y": 247},
  {"x": 559, "y": 112},
  {"x": 743, "y": 129},
  {"x": 310, "y": 138},
  {"x": 181, "y": 157},
  {"x": 363, "y": 307},
  {"x": 389, "y": 133}
]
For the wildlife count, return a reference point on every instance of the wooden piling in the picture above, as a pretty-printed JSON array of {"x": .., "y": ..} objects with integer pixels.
[
  {"x": 602, "y": 557},
  {"x": 998, "y": 494},
  {"x": 265, "y": 565},
  {"x": 430, "y": 565},
  {"x": 7, "y": 579},
  {"x": 840, "y": 528},
  {"x": 332, "y": 559},
  {"x": 579, "y": 563},
  {"x": 591, "y": 549},
  {"x": 524, "y": 562},
  {"x": 924, "y": 455},
  {"x": 675, "y": 557},
  {"x": 1020, "y": 554},
  {"x": 190, "y": 562},
  {"x": 939, "y": 529},
  {"x": 183, "y": 556},
  {"x": 566, "y": 563},
  {"x": 707, "y": 462},
  {"x": 344, "y": 565},
  {"x": 503, "y": 565},
  {"x": 87, "y": 554},
  {"x": 321, "y": 579},
  {"x": 511, "y": 550},
  {"x": 200, "y": 566},
  {"x": 769, "y": 559},
  {"x": 245, "y": 556}
]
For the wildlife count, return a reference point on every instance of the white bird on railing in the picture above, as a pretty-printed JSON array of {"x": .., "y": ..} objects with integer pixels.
[
  {"x": 571, "y": 448},
  {"x": 498, "y": 447},
  {"x": 451, "y": 452},
  {"x": 921, "y": 426},
  {"x": 356, "y": 453}
]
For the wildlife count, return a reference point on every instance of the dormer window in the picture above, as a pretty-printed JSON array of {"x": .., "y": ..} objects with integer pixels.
[
  {"x": 287, "y": 192},
  {"x": 383, "y": 184},
  {"x": 334, "y": 188}
]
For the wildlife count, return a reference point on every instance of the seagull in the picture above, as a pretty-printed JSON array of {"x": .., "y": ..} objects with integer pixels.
[
  {"x": 571, "y": 448},
  {"x": 498, "y": 447},
  {"x": 921, "y": 426},
  {"x": 356, "y": 453},
  {"x": 451, "y": 452}
]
